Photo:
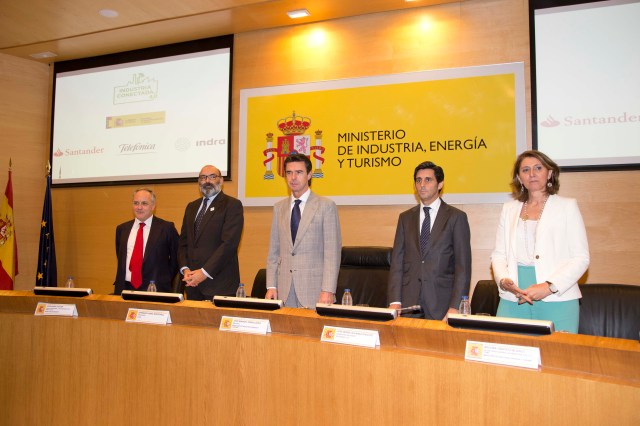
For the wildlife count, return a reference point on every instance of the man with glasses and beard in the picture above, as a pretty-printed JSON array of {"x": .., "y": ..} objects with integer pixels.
[{"x": 209, "y": 239}]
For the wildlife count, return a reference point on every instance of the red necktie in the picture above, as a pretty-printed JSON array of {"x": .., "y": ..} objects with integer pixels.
[{"x": 135, "y": 265}]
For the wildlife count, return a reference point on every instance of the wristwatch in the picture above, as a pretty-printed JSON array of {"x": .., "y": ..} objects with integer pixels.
[{"x": 552, "y": 287}]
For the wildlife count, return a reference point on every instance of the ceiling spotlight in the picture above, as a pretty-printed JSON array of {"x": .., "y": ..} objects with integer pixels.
[
  {"x": 300, "y": 13},
  {"x": 108, "y": 13},
  {"x": 43, "y": 55}
]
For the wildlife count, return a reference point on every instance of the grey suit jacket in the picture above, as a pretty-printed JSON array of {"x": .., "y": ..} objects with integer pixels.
[
  {"x": 313, "y": 262},
  {"x": 215, "y": 246},
  {"x": 437, "y": 280}
]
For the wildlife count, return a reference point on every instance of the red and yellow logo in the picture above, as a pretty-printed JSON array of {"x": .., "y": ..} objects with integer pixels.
[
  {"x": 6, "y": 229},
  {"x": 226, "y": 323},
  {"x": 293, "y": 141},
  {"x": 329, "y": 333}
]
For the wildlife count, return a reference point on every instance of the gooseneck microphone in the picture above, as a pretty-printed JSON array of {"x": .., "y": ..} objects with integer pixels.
[{"x": 416, "y": 309}]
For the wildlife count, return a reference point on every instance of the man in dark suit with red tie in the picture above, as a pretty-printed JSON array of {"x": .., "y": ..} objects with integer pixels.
[
  {"x": 431, "y": 258},
  {"x": 146, "y": 248},
  {"x": 209, "y": 239}
]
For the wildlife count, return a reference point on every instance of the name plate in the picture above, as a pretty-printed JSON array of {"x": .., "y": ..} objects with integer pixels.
[
  {"x": 148, "y": 316},
  {"x": 57, "y": 309},
  {"x": 350, "y": 336},
  {"x": 496, "y": 353},
  {"x": 245, "y": 325}
]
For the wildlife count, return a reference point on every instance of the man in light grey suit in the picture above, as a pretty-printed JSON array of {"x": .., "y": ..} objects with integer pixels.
[
  {"x": 305, "y": 244},
  {"x": 431, "y": 259}
]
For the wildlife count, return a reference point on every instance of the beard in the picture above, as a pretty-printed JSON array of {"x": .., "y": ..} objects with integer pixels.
[{"x": 210, "y": 189}]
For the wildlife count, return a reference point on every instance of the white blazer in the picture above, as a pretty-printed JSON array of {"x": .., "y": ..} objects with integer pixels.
[{"x": 561, "y": 250}]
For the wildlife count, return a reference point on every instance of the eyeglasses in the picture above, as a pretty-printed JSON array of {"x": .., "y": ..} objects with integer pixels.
[
  {"x": 203, "y": 178},
  {"x": 141, "y": 203}
]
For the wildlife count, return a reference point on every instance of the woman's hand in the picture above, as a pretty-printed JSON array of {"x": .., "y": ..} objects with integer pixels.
[
  {"x": 537, "y": 291},
  {"x": 507, "y": 284}
]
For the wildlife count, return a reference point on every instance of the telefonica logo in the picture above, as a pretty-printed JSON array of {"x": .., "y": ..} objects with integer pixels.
[{"x": 136, "y": 148}]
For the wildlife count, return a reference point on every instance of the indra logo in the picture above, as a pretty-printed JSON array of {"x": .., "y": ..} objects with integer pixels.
[
  {"x": 184, "y": 144},
  {"x": 550, "y": 122}
]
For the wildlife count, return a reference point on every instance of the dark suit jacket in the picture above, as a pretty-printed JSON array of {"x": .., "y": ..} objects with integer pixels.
[
  {"x": 439, "y": 279},
  {"x": 160, "y": 261},
  {"x": 215, "y": 248}
]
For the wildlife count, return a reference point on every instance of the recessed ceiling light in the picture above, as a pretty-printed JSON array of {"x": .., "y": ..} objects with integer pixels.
[
  {"x": 43, "y": 55},
  {"x": 300, "y": 13},
  {"x": 108, "y": 13}
]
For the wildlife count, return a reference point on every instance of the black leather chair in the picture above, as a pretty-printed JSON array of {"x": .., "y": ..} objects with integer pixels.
[
  {"x": 611, "y": 310},
  {"x": 608, "y": 310},
  {"x": 363, "y": 270},
  {"x": 177, "y": 285},
  {"x": 484, "y": 299},
  {"x": 259, "y": 289}
]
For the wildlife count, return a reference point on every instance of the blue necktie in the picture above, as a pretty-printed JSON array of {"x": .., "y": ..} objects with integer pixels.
[
  {"x": 295, "y": 220},
  {"x": 426, "y": 230},
  {"x": 203, "y": 210}
]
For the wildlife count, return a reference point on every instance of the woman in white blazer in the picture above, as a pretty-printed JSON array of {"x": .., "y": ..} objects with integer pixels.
[{"x": 541, "y": 247}]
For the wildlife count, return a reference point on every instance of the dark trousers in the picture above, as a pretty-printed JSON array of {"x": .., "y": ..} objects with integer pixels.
[{"x": 194, "y": 293}]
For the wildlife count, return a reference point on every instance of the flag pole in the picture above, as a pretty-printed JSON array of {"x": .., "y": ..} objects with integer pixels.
[{"x": 46, "y": 275}]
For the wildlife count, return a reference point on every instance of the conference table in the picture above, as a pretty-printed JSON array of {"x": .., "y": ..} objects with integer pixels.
[{"x": 98, "y": 369}]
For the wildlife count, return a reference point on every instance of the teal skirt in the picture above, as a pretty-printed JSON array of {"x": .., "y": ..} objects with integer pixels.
[{"x": 565, "y": 315}]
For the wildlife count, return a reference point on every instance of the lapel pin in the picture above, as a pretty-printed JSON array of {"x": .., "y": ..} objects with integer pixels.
[{"x": 211, "y": 209}]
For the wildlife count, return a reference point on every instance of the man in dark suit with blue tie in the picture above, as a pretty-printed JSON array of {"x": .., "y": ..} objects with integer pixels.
[
  {"x": 431, "y": 258},
  {"x": 158, "y": 247},
  {"x": 209, "y": 239}
]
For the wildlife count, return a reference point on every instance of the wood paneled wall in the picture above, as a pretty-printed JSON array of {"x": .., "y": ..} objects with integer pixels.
[
  {"x": 24, "y": 138},
  {"x": 470, "y": 33}
]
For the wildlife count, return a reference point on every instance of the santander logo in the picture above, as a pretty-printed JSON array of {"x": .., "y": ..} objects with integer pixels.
[
  {"x": 603, "y": 119},
  {"x": 550, "y": 122}
]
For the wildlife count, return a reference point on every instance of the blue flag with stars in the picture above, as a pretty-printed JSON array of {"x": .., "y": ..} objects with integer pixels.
[{"x": 47, "y": 269}]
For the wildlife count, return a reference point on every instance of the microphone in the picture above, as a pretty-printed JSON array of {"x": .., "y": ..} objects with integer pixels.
[{"x": 416, "y": 309}]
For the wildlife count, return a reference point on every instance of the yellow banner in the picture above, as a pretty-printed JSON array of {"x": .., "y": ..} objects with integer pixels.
[{"x": 366, "y": 136}]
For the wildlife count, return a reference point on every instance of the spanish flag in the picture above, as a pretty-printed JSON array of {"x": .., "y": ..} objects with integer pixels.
[{"x": 8, "y": 245}]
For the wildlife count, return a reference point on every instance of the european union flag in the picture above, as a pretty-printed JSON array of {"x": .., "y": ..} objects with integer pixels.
[{"x": 47, "y": 269}]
